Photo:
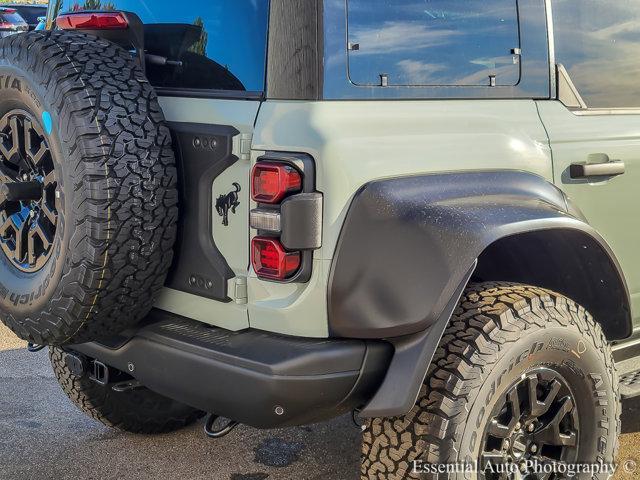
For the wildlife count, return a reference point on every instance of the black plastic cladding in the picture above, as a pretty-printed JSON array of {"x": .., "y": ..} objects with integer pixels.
[
  {"x": 199, "y": 267},
  {"x": 305, "y": 164},
  {"x": 425, "y": 232}
]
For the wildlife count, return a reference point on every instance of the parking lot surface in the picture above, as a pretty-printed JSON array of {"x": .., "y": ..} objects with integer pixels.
[{"x": 42, "y": 435}]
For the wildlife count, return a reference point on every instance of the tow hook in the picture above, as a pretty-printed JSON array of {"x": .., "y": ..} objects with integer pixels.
[
  {"x": 126, "y": 386},
  {"x": 33, "y": 348},
  {"x": 218, "y": 433}
]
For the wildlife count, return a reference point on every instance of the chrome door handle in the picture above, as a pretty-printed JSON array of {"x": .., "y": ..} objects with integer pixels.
[{"x": 604, "y": 169}]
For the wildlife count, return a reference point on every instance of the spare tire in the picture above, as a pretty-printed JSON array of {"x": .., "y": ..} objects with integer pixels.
[{"x": 88, "y": 199}]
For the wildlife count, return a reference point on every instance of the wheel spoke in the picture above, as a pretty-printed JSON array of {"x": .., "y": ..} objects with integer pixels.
[
  {"x": 551, "y": 435},
  {"x": 514, "y": 399},
  {"x": 539, "y": 408},
  {"x": 50, "y": 178},
  {"x": 9, "y": 153},
  {"x": 49, "y": 213},
  {"x": 37, "y": 232},
  {"x": 34, "y": 157},
  {"x": 20, "y": 230},
  {"x": 15, "y": 132},
  {"x": 26, "y": 134}
]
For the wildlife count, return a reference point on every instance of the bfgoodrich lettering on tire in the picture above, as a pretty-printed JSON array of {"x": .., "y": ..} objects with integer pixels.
[
  {"x": 88, "y": 200},
  {"x": 521, "y": 375}
]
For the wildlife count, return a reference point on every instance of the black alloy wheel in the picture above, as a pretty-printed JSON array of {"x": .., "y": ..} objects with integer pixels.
[
  {"x": 535, "y": 423},
  {"x": 28, "y": 192}
]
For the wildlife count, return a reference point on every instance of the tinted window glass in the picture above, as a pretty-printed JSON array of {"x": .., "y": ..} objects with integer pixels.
[
  {"x": 12, "y": 18},
  {"x": 31, "y": 13},
  {"x": 213, "y": 44},
  {"x": 433, "y": 42},
  {"x": 598, "y": 43}
]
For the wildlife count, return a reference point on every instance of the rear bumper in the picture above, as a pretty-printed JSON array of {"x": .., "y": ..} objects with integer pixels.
[{"x": 246, "y": 375}]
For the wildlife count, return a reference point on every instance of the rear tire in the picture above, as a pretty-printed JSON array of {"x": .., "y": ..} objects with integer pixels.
[
  {"x": 502, "y": 339},
  {"x": 137, "y": 411}
]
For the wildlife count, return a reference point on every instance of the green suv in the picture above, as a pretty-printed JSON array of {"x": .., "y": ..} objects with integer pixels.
[{"x": 277, "y": 212}]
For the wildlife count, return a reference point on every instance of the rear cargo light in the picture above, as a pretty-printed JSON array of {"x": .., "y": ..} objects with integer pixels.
[
  {"x": 271, "y": 260},
  {"x": 271, "y": 182},
  {"x": 92, "y": 21}
]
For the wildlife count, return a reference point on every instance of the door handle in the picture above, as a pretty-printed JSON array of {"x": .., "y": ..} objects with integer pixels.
[{"x": 604, "y": 169}]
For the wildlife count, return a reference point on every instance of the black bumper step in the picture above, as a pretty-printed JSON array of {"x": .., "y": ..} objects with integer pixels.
[
  {"x": 629, "y": 372},
  {"x": 630, "y": 385},
  {"x": 261, "y": 379}
]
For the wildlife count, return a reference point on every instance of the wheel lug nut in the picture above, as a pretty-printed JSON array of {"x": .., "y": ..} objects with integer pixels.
[
  {"x": 534, "y": 448},
  {"x": 518, "y": 426},
  {"x": 506, "y": 445}
]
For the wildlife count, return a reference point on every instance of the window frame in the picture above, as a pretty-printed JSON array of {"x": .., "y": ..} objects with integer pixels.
[
  {"x": 337, "y": 86},
  {"x": 427, "y": 85}
]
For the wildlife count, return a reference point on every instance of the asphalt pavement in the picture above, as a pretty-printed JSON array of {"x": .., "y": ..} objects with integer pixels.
[{"x": 44, "y": 436}]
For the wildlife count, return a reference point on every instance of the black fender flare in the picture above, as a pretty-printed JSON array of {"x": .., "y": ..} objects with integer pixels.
[{"x": 408, "y": 248}]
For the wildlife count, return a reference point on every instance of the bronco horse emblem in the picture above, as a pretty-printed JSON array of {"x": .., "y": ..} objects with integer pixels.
[{"x": 227, "y": 202}]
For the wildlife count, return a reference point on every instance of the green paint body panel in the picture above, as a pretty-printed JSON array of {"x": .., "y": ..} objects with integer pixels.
[{"x": 609, "y": 204}]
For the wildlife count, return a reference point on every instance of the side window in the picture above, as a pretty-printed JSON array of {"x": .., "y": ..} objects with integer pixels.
[
  {"x": 597, "y": 42},
  {"x": 433, "y": 42},
  {"x": 210, "y": 44}
]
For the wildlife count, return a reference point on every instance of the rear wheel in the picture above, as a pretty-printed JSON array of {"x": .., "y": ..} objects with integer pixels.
[
  {"x": 137, "y": 411},
  {"x": 523, "y": 377}
]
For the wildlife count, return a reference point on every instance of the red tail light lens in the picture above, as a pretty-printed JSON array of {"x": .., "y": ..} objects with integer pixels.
[
  {"x": 270, "y": 260},
  {"x": 92, "y": 21},
  {"x": 271, "y": 182}
]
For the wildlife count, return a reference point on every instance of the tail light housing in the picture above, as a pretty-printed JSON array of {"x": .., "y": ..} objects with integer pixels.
[
  {"x": 271, "y": 182},
  {"x": 288, "y": 218},
  {"x": 271, "y": 260},
  {"x": 92, "y": 21}
]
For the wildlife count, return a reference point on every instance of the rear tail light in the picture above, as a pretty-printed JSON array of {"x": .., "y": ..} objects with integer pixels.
[
  {"x": 271, "y": 260},
  {"x": 287, "y": 218},
  {"x": 92, "y": 21},
  {"x": 271, "y": 182}
]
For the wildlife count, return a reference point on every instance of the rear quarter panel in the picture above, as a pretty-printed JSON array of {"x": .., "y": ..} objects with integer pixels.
[{"x": 355, "y": 142}]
